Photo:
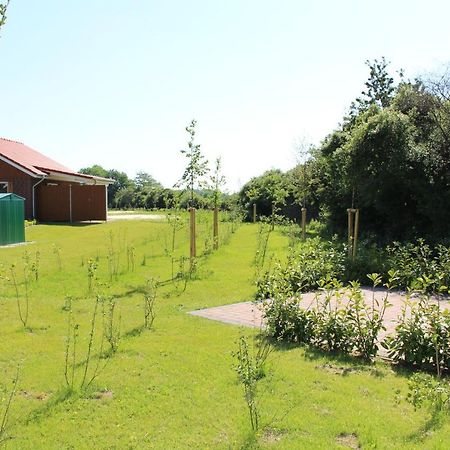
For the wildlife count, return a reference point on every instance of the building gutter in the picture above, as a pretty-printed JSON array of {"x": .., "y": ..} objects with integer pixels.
[{"x": 33, "y": 197}]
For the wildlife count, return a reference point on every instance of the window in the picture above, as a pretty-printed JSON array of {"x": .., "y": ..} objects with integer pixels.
[{"x": 3, "y": 187}]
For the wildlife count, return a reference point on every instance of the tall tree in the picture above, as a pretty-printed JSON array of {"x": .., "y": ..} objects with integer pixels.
[
  {"x": 144, "y": 180},
  {"x": 197, "y": 166},
  {"x": 380, "y": 89}
]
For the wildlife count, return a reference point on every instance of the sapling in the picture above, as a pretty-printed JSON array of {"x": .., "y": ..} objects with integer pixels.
[
  {"x": 111, "y": 324},
  {"x": 150, "y": 292},
  {"x": 5, "y": 415},
  {"x": 71, "y": 351},
  {"x": 57, "y": 253},
  {"x": 91, "y": 275},
  {"x": 131, "y": 256},
  {"x": 23, "y": 311},
  {"x": 113, "y": 258},
  {"x": 35, "y": 265},
  {"x": 217, "y": 181},
  {"x": 250, "y": 369}
]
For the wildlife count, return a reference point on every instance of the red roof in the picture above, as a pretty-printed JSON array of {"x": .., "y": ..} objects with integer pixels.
[
  {"x": 36, "y": 164},
  {"x": 30, "y": 160}
]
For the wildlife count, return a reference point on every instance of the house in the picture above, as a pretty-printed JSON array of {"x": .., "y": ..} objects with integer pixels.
[{"x": 52, "y": 192}]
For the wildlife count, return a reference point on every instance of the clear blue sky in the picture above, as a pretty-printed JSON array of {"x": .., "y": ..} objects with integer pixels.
[{"x": 115, "y": 82}]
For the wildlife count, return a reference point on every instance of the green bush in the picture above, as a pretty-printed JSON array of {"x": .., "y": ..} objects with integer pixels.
[
  {"x": 414, "y": 260},
  {"x": 305, "y": 266},
  {"x": 422, "y": 336},
  {"x": 337, "y": 320},
  {"x": 425, "y": 390}
]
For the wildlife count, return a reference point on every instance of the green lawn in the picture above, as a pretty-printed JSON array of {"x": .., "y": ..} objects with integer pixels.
[{"x": 174, "y": 387}]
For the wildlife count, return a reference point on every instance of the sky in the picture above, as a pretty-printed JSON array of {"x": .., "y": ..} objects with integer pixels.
[{"x": 115, "y": 82}]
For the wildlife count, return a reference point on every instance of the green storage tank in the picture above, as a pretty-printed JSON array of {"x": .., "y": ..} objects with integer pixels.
[{"x": 12, "y": 219}]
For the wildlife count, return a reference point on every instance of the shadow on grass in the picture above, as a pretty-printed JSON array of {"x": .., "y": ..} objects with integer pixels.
[
  {"x": 134, "y": 332},
  {"x": 56, "y": 399},
  {"x": 435, "y": 422},
  {"x": 336, "y": 362}
]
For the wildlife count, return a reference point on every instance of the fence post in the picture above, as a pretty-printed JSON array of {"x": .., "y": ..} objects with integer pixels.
[
  {"x": 254, "y": 212},
  {"x": 216, "y": 229}
]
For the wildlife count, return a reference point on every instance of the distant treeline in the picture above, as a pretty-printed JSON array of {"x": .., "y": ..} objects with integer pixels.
[
  {"x": 145, "y": 192},
  {"x": 390, "y": 158}
]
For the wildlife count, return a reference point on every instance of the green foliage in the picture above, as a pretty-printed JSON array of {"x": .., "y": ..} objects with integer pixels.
[
  {"x": 111, "y": 323},
  {"x": 3, "y": 8},
  {"x": 380, "y": 86},
  {"x": 197, "y": 165},
  {"x": 268, "y": 192},
  {"x": 416, "y": 260},
  {"x": 422, "y": 336},
  {"x": 426, "y": 390},
  {"x": 338, "y": 319},
  {"x": 304, "y": 268},
  {"x": 250, "y": 369},
  {"x": 150, "y": 292},
  {"x": 217, "y": 180}
]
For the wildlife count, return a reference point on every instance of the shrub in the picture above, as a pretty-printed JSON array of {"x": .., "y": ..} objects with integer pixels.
[
  {"x": 425, "y": 390},
  {"x": 337, "y": 320},
  {"x": 305, "y": 266},
  {"x": 413, "y": 260},
  {"x": 422, "y": 336},
  {"x": 287, "y": 321}
]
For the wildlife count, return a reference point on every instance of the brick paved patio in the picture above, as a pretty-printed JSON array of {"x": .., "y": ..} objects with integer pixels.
[{"x": 248, "y": 314}]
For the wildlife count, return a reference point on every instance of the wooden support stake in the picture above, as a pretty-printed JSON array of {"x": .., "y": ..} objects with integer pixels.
[
  {"x": 216, "y": 229},
  {"x": 350, "y": 232},
  {"x": 193, "y": 252},
  {"x": 254, "y": 212},
  {"x": 303, "y": 223},
  {"x": 355, "y": 233}
]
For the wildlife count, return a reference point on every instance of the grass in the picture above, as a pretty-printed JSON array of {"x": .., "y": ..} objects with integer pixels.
[{"x": 174, "y": 386}]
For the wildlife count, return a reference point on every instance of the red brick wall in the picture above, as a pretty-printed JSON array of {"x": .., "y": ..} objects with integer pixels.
[{"x": 20, "y": 184}]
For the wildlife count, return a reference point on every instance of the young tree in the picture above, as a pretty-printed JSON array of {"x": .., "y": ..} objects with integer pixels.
[
  {"x": 3, "y": 8},
  {"x": 217, "y": 181},
  {"x": 197, "y": 166}
]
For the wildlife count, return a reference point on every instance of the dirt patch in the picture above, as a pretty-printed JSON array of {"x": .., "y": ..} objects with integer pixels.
[
  {"x": 36, "y": 395},
  {"x": 102, "y": 395},
  {"x": 348, "y": 440},
  {"x": 272, "y": 435}
]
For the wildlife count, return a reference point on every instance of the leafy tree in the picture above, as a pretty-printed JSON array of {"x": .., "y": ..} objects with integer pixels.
[
  {"x": 197, "y": 166},
  {"x": 380, "y": 89},
  {"x": 144, "y": 181},
  {"x": 95, "y": 170},
  {"x": 268, "y": 191},
  {"x": 3, "y": 8},
  {"x": 217, "y": 181},
  {"x": 121, "y": 180}
]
